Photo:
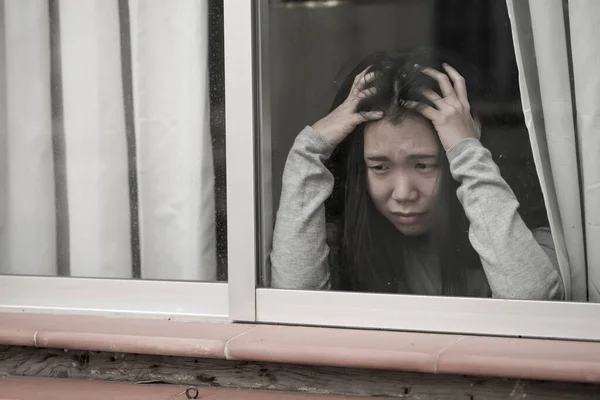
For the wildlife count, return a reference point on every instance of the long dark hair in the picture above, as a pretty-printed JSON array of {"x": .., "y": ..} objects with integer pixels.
[{"x": 371, "y": 251}]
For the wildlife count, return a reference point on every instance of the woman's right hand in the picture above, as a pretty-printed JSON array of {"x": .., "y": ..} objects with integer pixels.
[{"x": 338, "y": 124}]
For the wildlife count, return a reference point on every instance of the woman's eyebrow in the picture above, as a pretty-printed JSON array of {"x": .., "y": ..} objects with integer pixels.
[
  {"x": 424, "y": 155},
  {"x": 377, "y": 158}
]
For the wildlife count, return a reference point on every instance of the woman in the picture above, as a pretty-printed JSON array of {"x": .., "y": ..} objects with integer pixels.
[{"x": 415, "y": 203}]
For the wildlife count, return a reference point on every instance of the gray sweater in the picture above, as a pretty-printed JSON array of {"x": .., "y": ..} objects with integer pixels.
[{"x": 518, "y": 263}]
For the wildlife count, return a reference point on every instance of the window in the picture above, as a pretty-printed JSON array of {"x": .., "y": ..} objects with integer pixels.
[
  {"x": 113, "y": 154},
  {"x": 316, "y": 270}
]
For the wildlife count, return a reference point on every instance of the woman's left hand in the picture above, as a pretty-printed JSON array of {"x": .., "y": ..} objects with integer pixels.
[{"x": 451, "y": 116}]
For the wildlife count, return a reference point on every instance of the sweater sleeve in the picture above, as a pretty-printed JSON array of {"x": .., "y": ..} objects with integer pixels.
[
  {"x": 299, "y": 257},
  {"x": 518, "y": 263}
]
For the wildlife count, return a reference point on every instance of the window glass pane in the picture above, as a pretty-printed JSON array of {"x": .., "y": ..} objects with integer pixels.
[
  {"x": 112, "y": 150},
  {"x": 393, "y": 173}
]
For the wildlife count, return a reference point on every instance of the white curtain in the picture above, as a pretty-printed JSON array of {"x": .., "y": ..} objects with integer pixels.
[
  {"x": 95, "y": 95},
  {"x": 557, "y": 46}
]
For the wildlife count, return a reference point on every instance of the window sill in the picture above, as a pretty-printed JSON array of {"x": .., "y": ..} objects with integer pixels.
[{"x": 558, "y": 360}]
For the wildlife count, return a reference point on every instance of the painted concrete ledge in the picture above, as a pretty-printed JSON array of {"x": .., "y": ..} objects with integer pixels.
[
  {"x": 557, "y": 360},
  {"x": 22, "y": 388}
]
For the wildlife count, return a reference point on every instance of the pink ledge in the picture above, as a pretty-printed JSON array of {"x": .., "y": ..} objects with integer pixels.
[
  {"x": 123, "y": 335},
  {"x": 431, "y": 353}
]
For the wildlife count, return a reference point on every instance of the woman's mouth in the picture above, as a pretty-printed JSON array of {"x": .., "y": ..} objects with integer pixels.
[{"x": 408, "y": 218}]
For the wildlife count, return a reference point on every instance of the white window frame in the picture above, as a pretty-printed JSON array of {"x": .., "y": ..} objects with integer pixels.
[
  {"x": 564, "y": 320},
  {"x": 239, "y": 148},
  {"x": 114, "y": 297}
]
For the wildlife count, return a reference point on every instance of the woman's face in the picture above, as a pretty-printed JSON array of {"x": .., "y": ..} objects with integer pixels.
[{"x": 402, "y": 172}]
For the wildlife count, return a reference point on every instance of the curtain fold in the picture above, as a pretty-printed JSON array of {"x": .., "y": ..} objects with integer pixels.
[
  {"x": 95, "y": 139},
  {"x": 564, "y": 140},
  {"x": 174, "y": 155},
  {"x": 584, "y": 16},
  {"x": 27, "y": 196}
]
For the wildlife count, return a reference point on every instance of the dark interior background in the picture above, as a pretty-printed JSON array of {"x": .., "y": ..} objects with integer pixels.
[{"x": 314, "y": 44}]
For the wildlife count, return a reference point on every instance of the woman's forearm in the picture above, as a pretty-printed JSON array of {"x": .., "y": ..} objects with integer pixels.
[
  {"x": 516, "y": 265},
  {"x": 300, "y": 251}
]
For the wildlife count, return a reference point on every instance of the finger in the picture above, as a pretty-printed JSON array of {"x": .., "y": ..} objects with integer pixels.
[
  {"x": 440, "y": 102},
  {"x": 442, "y": 79},
  {"x": 367, "y": 93},
  {"x": 460, "y": 86},
  {"x": 354, "y": 90},
  {"x": 432, "y": 96},
  {"x": 368, "y": 78},
  {"x": 427, "y": 111},
  {"x": 362, "y": 80},
  {"x": 360, "y": 76},
  {"x": 370, "y": 115}
]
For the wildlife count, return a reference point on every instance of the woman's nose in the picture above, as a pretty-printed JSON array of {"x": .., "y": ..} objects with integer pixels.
[{"x": 404, "y": 189}]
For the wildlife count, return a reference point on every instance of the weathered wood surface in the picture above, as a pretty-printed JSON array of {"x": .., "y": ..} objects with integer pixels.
[{"x": 26, "y": 361}]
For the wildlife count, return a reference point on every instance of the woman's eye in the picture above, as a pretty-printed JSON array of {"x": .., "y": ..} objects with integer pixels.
[
  {"x": 379, "y": 168},
  {"x": 425, "y": 167}
]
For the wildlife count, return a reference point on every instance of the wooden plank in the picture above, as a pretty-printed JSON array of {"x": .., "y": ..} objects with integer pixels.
[{"x": 104, "y": 366}]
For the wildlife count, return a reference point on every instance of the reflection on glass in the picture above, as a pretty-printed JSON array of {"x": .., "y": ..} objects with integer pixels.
[
  {"x": 112, "y": 140},
  {"x": 420, "y": 179}
]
